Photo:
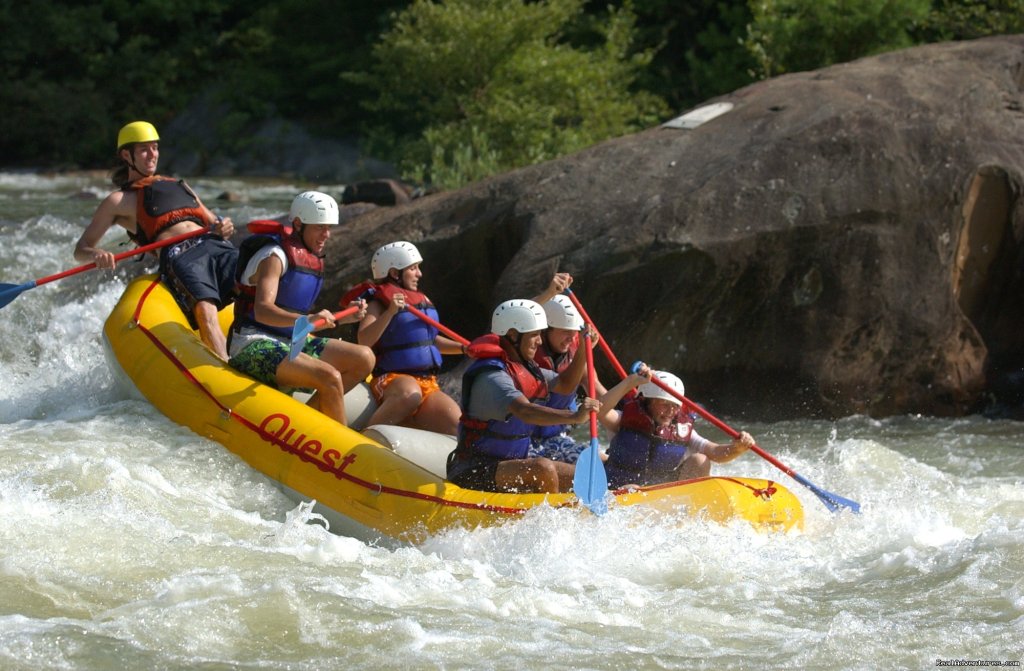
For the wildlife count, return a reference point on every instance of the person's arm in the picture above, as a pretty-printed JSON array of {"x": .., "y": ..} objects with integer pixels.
[
  {"x": 448, "y": 346},
  {"x": 540, "y": 415},
  {"x": 723, "y": 452},
  {"x": 105, "y": 216},
  {"x": 222, "y": 226},
  {"x": 267, "y": 281},
  {"x": 559, "y": 283},
  {"x": 377, "y": 319},
  {"x": 609, "y": 416}
]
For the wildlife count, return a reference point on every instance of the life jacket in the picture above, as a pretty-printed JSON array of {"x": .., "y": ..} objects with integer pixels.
[
  {"x": 407, "y": 344},
  {"x": 558, "y": 363},
  {"x": 162, "y": 202},
  {"x": 508, "y": 438},
  {"x": 642, "y": 453},
  {"x": 299, "y": 285}
]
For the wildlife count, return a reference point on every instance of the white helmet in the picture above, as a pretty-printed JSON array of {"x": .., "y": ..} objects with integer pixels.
[
  {"x": 313, "y": 207},
  {"x": 520, "y": 314},
  {"x": 398, "y": 255},
  {"x": 562, "y": 314},
  {"x": 651, "y": 390}
]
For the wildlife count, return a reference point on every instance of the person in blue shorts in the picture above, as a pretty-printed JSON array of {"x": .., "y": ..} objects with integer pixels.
[
  {"x": 279, "y": 280},
  {"x": 559, "y": 346},
  {"x": 199, "y": 271}
]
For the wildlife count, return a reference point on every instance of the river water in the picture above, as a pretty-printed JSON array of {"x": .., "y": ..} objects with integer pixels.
[{"x": 128, "y": 542}]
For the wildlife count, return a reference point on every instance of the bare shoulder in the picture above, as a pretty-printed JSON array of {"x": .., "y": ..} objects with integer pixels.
[
  {"x": 117, "y": 208},
  {"x": 120, "y": 203}
]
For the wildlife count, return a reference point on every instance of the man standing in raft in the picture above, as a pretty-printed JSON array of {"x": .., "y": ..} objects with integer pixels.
[
  {"x": 654, "y": 439},
  {"x": 502, "y": 395},
  {"x": 199, "y": 271},
  {"x": 408, "y": 349},
  {"x": 279, "y": 279}
]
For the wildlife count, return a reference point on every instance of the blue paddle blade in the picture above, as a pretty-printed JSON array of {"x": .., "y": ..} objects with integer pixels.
[
  {"x": 832, "y": 501},
  {"x": 590, "y": 481},
  {"x": 8, "y": 292},
  {"x": 303, "y": 327}
]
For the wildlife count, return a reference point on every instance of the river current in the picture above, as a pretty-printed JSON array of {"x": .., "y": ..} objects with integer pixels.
[{"x": 128, "y": 542}]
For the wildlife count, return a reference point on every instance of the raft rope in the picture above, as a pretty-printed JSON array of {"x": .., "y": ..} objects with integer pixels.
[{"x": 376, "y": 487}]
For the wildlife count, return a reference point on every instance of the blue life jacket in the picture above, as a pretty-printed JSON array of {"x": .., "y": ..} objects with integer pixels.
[
  {"x": 298, "y": 288},
  {"x": 503, "y": 439},
  {"x": 642, "y": 454},
  {"x": 407, "y": 344}
]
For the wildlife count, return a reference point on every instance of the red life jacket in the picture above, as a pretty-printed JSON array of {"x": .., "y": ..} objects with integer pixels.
[
  {"x": 162, "y": 202},
  {"x": 558, "y": 362}
]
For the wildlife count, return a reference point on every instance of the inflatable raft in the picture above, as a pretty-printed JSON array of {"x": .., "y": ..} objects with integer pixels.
[{"x": 381, "y": 483}]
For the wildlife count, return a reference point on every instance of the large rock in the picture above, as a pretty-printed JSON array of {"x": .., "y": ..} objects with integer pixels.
[{"x": 843, "y": 241}]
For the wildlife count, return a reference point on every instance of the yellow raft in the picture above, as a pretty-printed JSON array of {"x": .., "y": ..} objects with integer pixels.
[{"x": 384, "y": 483}]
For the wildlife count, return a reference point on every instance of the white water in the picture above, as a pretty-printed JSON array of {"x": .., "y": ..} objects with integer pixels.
[{"x": 129, "y": 542}]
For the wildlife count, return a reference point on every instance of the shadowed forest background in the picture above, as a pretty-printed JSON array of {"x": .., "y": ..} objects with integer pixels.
[{"x": 449, "y": 92}]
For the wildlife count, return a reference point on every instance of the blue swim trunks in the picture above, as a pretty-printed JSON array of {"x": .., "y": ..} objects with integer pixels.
[
  {"x": 558, "y": 448},
  {"x": 200, "y": 269}
]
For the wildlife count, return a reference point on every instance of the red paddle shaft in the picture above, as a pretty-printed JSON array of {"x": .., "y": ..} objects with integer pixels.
[
  {"x": 124, "y": 255},
  {"x": 440, "y": 327},
  {"x": 591, "y": 381},
  {"x": 605, "y": 347},
  {"x": 337, "y": 315}
]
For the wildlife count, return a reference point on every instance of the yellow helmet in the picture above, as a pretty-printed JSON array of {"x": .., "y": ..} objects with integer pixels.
[{"x": 136, "y": 131}]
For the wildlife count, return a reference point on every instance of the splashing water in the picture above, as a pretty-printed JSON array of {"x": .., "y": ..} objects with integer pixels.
[{"x": 130, "y": 541}]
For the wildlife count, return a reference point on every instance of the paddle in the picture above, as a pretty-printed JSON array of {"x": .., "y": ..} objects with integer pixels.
[
  {"x": 832, "y": 501},
  {"x": 440, "y": 327},
  {"x": 590, "y": 481},
  {"x": 8, "y": 292},
  {"x": 303, "y": 327},
  {"x": 605, "y": 347}
]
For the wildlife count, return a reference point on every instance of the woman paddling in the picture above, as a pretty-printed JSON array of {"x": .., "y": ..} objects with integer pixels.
[{"x": 408, "y": 349}]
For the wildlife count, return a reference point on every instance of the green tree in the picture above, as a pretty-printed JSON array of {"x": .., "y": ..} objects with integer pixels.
[
  {"x": 970, "y": 19},
  {"x": 698, "y": 47},
  {"x": 796, "y": 35},
  {"x": 467, "y": 88},
  {"x": 75, "y": 72}
]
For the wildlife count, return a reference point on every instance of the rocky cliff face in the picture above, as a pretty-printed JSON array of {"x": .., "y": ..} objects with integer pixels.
[{"x": 849, "y": 240}]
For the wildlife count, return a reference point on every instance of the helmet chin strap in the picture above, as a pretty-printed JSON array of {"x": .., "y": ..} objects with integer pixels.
[
  {"x": 297, "y": 226},
  {"x": 133, "y": 166}
]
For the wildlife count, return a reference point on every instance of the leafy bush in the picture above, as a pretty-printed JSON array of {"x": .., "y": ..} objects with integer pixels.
[
  {"x": 797, "y": 35},
  {"x": 467, "y": 88}
]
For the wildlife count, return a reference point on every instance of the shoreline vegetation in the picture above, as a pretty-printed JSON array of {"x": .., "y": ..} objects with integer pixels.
[{"x": 441, "y": 93}]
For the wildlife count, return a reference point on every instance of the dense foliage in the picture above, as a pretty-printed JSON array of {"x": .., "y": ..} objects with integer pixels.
[
  {"x": 483, "y": 86},
  {"x": 451, "y": 89}
]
